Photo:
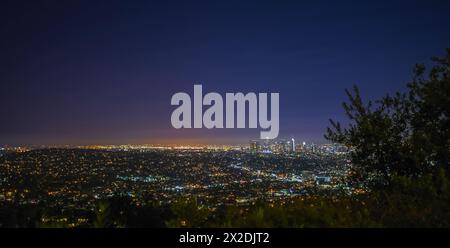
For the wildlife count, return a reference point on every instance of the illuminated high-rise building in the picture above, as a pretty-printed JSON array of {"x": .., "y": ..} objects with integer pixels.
[{"x": 254, "y": 145}]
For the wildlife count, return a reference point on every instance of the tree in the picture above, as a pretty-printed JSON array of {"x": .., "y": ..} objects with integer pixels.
[
  {"x": 407, "y": 134},
  {"x": 112, "y": 212},
  {"x": 187, "y": 214},
  {"x": 103, "y": 215}
]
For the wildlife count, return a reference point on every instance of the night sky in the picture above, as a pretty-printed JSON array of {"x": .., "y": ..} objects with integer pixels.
[{"x": 79, "y": 72}]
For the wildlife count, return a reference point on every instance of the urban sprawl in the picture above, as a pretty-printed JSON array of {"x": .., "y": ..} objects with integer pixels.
[{"x": 77, "y": 177}]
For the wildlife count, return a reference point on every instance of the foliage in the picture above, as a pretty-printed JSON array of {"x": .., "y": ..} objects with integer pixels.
[
  {"x": 407, "y": 134},
  {"x": 187, "y": 213}
]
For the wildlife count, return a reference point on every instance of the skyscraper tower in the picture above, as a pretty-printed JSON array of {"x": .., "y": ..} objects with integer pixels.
[{"x": 254, "y": 146}]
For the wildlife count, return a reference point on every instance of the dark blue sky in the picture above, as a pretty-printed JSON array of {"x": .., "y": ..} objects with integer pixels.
[{"x": 79, "y": 72}]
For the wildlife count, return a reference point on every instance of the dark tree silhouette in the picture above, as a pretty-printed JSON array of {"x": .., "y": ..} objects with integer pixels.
[{"x": 407, "y": 134}]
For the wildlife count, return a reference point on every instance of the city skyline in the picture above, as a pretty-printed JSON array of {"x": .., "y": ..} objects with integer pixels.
[{"x": 183, "y": 143}]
